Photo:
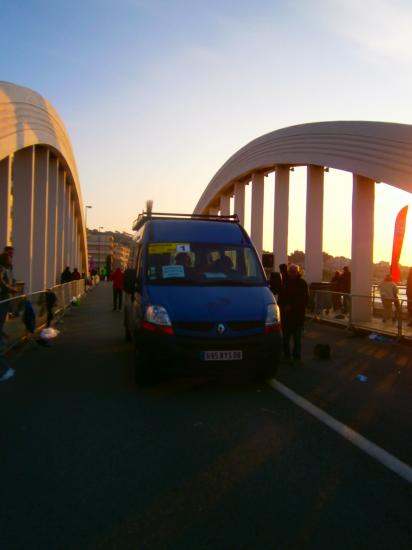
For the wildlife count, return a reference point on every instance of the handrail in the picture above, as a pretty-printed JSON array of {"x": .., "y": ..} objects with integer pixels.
[
  {"x": 12, "y": 310},
  {"x": 337, "y": 307}
]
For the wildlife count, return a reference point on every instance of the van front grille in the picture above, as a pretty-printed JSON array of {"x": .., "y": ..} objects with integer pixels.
[{"x": 205, "y": 326}]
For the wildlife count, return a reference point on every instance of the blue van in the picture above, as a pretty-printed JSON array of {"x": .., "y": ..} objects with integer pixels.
[{"x": 198, "y": 297}]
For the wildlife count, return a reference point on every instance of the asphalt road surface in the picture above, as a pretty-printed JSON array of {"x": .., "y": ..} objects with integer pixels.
[{"x": 88, "y": 460}]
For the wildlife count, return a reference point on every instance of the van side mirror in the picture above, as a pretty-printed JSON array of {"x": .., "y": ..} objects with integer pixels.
[{"x": 129, "y": 281}]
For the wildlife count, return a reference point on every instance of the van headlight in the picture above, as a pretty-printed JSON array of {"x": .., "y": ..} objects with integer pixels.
[
  {"x": 157, "y": 319},
  {"x": 272, "y": 322}
]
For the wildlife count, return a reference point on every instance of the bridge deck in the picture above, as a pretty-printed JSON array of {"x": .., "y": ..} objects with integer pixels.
[
  {"x": 91, "y": 348},
  {"x": 86, "y": 453}
]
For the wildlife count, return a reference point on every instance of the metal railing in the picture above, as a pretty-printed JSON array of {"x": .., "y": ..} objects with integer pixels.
[
  {"x": 14, "y": 328},
  {"x": 362, "y": 311}
]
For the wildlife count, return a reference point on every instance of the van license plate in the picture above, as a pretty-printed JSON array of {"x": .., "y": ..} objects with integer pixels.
[{"x": 232, "y": 355}]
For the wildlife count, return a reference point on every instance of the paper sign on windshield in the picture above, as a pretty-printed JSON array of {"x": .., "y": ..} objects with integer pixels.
[
  {"x": 169, "y": 271},
  {"x": 182, "y": 247},
  {"x": 168, "y": 248}
]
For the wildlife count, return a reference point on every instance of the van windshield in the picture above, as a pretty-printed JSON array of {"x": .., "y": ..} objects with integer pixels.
[{"x": 203, "y": 264}]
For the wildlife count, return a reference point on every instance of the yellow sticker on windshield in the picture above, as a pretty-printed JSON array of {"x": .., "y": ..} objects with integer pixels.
[{"x": 168, "y": 248}]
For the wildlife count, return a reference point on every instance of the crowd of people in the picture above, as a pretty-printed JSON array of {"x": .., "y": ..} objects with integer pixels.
[
  {"x": 68, "y": 275},
  {"x": 292, "y": 295},
  {"x": 288, "y": 285},
  {"x": 341, "y": 286}
]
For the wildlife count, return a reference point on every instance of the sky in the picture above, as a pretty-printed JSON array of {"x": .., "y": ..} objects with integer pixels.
[{"x": 157, "y": 94}]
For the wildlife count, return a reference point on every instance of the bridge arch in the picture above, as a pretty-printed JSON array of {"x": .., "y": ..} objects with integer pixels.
[
  {"x": 371, "y": 151},
  {"x": 41, "y": 207}
]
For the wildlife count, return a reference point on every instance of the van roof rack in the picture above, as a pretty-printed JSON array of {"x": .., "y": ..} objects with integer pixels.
[{"x": 146, "y": 216}]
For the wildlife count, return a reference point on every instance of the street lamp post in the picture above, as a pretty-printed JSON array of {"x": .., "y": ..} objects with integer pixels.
[
  {"x": 85, "y": 224},
  {"x": 85, "y": 215},
  {"x": 100, "y": 228}
]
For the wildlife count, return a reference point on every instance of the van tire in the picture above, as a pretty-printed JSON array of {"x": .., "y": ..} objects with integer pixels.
[
  {"x": 272, "y": 370},
  {"x": 127, "y": 334},
  {"x": 143, "y": 368}
]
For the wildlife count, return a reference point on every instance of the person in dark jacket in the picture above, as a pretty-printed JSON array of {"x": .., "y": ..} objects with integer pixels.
[
  {"x": 66, "y": 276},
  {"x": 336, "y": 298},
  {"x": 344, "y": 287},
  {"x": 75, "y": 276},
  {"x": 51, "y": 302},
  {"x": 293, "y": 300}
]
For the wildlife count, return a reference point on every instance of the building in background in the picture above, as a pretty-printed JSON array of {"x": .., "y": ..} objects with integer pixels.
[
  {"x": 110, "y": 250},
  {"x": 100, "y": 248}
]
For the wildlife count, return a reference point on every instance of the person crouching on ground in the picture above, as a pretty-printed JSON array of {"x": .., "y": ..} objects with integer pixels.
[
  {"x": 293, "y": 300},
  {"x": 51, "y": 302}
]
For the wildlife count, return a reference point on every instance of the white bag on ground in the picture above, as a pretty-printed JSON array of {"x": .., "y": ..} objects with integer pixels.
[{"x": 48, "y": 333}]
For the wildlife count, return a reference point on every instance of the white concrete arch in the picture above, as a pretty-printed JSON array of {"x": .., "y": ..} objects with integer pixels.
[
  {"x": 371, "y": 151},
  {"x": 380, "y": 151},
  {"x": 41, "y": 206}
]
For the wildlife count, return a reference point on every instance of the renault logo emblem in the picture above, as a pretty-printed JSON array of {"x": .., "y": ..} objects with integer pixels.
[{"x": 221, "y": 328}]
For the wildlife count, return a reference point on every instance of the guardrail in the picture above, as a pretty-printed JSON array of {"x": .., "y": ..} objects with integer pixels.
[
  {"x": 338, "y": 307},
  {"x": 14, "y": 327}
]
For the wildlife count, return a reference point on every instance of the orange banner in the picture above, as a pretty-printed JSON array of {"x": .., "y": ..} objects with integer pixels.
[{"x": 398, "y": 235}]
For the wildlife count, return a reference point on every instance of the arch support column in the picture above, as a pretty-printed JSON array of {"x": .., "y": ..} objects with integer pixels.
[
  {"x": 68, "y": 227},
  {"x": 5, "y": 201},
  {"x": 73, "y": 236},
  {"x": 258, "y": 191},
  {"x": 40, "y": 236},
  {"x": 240, "y": 201},
  {"x": 23, "y": 207},
  {"x": 363, "y": 206},
  {"x": 281, "y": 215},
  {"x": 52, "y": 222},
  {"x": 225, "y": 205},
  {"x": 314, "y": 224},
  {"x": 61, "y": 223},
  {"x": 212, "y": 211}
]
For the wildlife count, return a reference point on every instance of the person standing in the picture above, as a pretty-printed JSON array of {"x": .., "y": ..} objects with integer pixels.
[
  {"x": 7, "y": 290},
  {"x": 293, "y": 299},
  {"x": 409, "y": 295},
  {"x": 75, "y": 276},
  {"x": 66, "y": 276},
  {"x": 336, "y": 298},
  {"x": 117, "y": 278},
  {"x": 389, "y": 294},
  {"x": 344, "y": 287}
]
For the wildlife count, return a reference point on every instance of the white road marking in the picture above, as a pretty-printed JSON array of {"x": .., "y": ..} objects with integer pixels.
[{"x": 400, "y": 468}]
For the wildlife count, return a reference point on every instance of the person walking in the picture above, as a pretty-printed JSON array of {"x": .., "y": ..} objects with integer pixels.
[
  {"x": 117, "y": 278},
  {"x": 293, "y": 299},
  {"x": 409, "y": 295},
  {"x": 389, "y": 295}
]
